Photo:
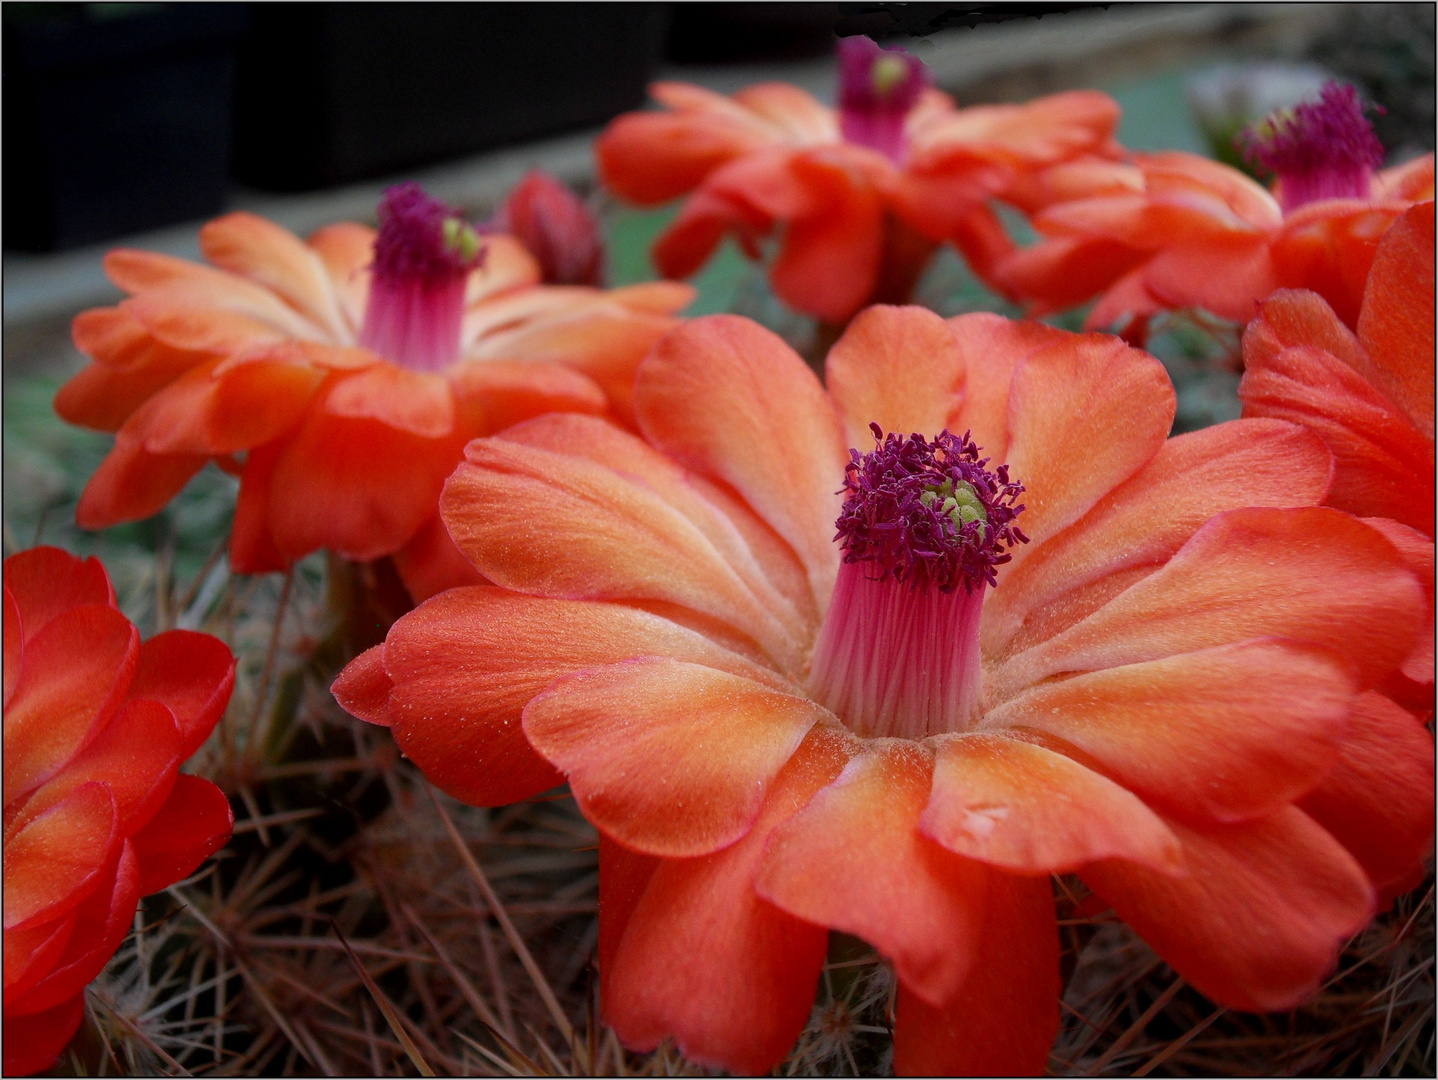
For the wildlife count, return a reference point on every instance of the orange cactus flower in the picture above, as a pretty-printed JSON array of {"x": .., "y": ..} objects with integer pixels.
[
  {"x": 1174, "y": 230},
  {"x": 1369, "y": 396},
  {"x": 347, "y": 371},
  {"x": 863, "y": 193},
  {"x": 1118, "y": 654},
  {"x": 97, "y": 813}
]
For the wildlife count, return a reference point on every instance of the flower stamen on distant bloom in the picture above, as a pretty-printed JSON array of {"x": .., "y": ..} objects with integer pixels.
[
  {"x": 924, "y": 525},
  {"x": 877, "y": 88},
  {"x": 1322, "y": 149},
  {"x": 423, "y": 254}
]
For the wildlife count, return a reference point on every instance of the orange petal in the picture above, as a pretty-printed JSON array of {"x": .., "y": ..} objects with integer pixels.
[
  {"x": 650, "y": 158},
  {"x": 1383, "y": 466},
  {"x": 1411, "y": 180},
  {"x": 506, "y": 266},
  {"x": 556, "y": 525},
  {"x": 31, "y": 954},
  {"x": 1084, "y": 415},
  {"x": 653, "y": 297},
  {"x": 168, "y": 292},
  {"x": 192, "y": 675},
  {"x": 1019, "y": 806},
  {"x": 465, "y": 664},
  {"x": 705, "y": 961},
  {"x": 1226, "y": 733},
  {"x": 55, "y": 860},
  {"x": 1378, "y": 801},
  {"x": 992, "y": 347},
  {"x": 417, "y": 402},
  {"x": 699, "y": 228},
  {"x": 1261, "y": 916},
  {"x": 46, "y": 582},
  {"x": 192, "y": 824},
  {"x": 363, "y": 687},
  {"x": 136, "y": 755},
  {"x": 765, "y": 563},
  {"x": 1141, "y": 523},
  {"x": 1310, "y": 574},
  {"x": 235, "y": 406},
  {"x": 132, "y": 483},
  {"x": 1003, "y": 1020},
  {"x": 1038, "y": 132},
  {"x": 490, "y": 395},
  {"x": 603, "y": 342},
  {"x": 623, "y": 877},
  {"x": 1299, "y": 317},
  {"x": 102, "y": 921},
  {"x": 898, "y": 367},
  {"x": 181, "y": 320},
  {"x": 72, "y": 680},
  {"x": 828, "y": 264},
  {"x": 1227, "y": 274},
  {"x": 429, "y": 563},
  {"x": 668, "y": 758},
  {"x": 12, "y": 644},
  {"x": 346, "y": 249},
  {"x": 1125, "y": 303},
  {"x": 794, "y": 111},
  {"x": 260, "y": 250},
  {"x": 252, "y": 545},
  {"x": 1328, "y": 246},
  {"x": 33, "y": 1043},
  {"x": 130, "y": 366},
  {"x": 853, "y": 859},
  {"x": 1417, "y": 552},
  {"x": 1396, "y": 323},
  {"x": 356, "y": 486},
  {"x": 727, "y": 398},
  {"x": 1061, "y": 272}
]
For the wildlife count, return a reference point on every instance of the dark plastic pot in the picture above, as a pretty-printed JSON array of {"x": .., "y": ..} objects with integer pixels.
[
  {"x": 117, "y": 118},
  {"x": 332, "y": 93}
]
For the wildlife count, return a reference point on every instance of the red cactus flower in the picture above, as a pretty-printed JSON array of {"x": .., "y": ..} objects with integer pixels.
[
  {"x": 1114, "y": 653},
  {"x": 97, "y": 813},
  {"x": 1174, "y": 230},
  {"x": 341, "y": 377},
  {"x": 862, "y": 193},
  {"x": 1369, "y": 396},
  {"x": 556, "y": 228}
]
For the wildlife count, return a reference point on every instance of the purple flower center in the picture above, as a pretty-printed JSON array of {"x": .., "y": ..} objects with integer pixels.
[
  {"x": 1322, "y": 149},
  {"x": 877, "y": 88},
  {"x": 928, "y": 513},
  {"x": 423, "y": 255}
]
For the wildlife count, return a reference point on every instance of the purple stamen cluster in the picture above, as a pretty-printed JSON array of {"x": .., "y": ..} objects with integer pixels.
[
  {"x": 858, "y": 87},
  {"x": 1328, "y": 142},
  {"x": 415, "y": 243},
  {"x": 892, "y": 518},
  {"x": 877, "y": 88}
]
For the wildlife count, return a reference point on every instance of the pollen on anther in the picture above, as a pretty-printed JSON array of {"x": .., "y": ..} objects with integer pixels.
[{"x": 928, "y": 512}]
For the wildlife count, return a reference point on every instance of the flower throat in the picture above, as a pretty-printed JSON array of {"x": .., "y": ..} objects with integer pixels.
[
  {"x": 423, "y": 254},
  {"x": 923, "y": 527}
]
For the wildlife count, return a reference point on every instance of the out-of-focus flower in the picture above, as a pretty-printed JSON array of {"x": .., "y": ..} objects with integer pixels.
[
  {"x": 348, "y": 371},
  {"x": 97, "y": 813},
  {"x": 1173, "y": 230},
  {"x": 556, "y": 228},
  {"x": 1226, "y": 98},
  {"x": 862, "y": 194},
  {"x": 901, "y": 735},
  {"x": 1369, "y": 396}
]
